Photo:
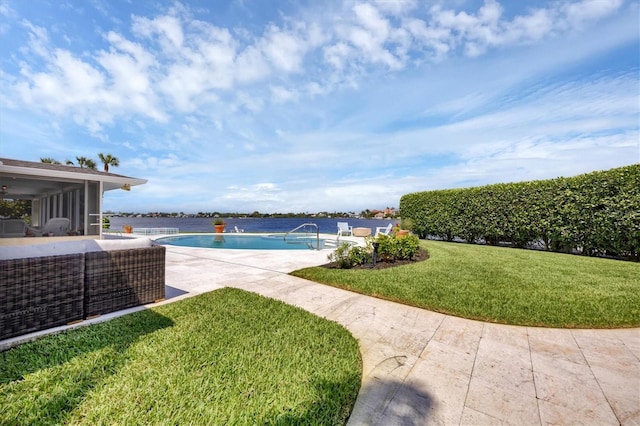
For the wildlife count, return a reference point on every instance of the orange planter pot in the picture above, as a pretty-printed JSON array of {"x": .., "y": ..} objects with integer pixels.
[
  {"x": 219, "y": 228},
  {"x": 128, "y": 229}
]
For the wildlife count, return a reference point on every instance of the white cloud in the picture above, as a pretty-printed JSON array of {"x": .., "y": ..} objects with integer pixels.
[
  {"x": 167, "y": 28},
  {"x": 283, "y": 49},
  {"x": 580, "y": 12},
  {"x": 349, "y": 108},
  {"x": 281, "y": 95},
  {"x": 38, "y": 40},
  {"x": 251, "y": 65},
  {"x": 396, "y": 7}
]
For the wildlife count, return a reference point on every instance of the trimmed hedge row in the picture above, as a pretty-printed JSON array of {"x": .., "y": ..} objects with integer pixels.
[{"x": 595, "y": 214}]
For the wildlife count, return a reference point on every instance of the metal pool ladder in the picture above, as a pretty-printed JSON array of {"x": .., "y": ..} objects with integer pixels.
[{"x": 302, "y": 226}]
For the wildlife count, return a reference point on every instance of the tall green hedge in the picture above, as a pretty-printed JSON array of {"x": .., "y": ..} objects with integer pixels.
[{"x": 596, "y": 213}]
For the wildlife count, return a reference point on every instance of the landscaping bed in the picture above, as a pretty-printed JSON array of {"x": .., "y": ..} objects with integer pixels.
[
  {"x": 503, "y": 285},
  {"x": 420, "y": 256}
]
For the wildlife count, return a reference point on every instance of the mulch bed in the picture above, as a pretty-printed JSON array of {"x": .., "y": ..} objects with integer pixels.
[{"x": 419, "y": 257}]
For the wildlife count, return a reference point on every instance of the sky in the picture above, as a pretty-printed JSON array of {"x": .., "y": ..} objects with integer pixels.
[{"x": 308, "y": 106}]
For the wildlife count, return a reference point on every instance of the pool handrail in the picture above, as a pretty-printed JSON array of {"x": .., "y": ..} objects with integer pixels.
[{"x": 302, "y": 226}]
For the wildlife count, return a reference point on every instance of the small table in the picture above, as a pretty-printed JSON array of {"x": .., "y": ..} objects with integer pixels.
[{"x": 361, "y": 232}]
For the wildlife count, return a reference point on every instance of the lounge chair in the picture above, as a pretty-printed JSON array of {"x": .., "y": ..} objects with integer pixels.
[
  {"x": 238, "y": 229},
  {"x": 344, "y": 229},
  {"x": 384, "y": 230},
  {"x": 57, "y": 226}
]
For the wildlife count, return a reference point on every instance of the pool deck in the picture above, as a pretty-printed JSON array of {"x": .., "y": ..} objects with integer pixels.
[{"x": 421, "y": 367}]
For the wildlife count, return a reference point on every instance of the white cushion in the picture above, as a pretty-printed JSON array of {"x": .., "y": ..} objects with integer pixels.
[
  {"x": 18, "y": 252},
  {"x": 70, "y": 247},
  {"x": 125, "y": 244},
  {"x": 38, "y": 250}
]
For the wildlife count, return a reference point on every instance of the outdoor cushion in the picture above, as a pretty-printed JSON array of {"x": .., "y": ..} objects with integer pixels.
[
  {"x": 125, "y": 244},
  {"x": 59, "y": 248}
]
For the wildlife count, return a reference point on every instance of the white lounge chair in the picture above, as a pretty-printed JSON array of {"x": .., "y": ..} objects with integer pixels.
[
  {"x": 238, "y": 229},
  {"x": 57, "y": 226},
  {"x": 344, "y": 229},
  {"x": 384, "y": 230}
]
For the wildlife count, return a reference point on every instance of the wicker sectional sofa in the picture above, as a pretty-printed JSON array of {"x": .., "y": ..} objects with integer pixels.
[{"x": 47, "y": 285}]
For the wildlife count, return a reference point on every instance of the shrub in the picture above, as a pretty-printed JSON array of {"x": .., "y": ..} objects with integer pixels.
[
  {"x": 595, "y": 214},
  {"x": 391, "y": 248},
  {"x": 406, "y": 247},
  {"x": 341, "y": 256},
  {"x": 360, "y": 255},
  {"x": 347, "y": 256}
]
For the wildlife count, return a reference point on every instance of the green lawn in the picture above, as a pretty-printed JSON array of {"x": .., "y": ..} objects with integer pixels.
[
  {"x": 505, "y": 285},
  {"x": 225, "y": 357}
]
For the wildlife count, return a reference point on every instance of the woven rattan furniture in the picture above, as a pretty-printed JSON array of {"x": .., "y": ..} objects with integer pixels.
[
  {"x": 119, "y": 279},
  {"x": 40, "y": 292}
]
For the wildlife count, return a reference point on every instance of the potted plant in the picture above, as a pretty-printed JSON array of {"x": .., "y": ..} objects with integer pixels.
[
  {"x": 398, "y": 231},
  {"x": 128, "y": 229},
  {"x": 219, "y": 225}
]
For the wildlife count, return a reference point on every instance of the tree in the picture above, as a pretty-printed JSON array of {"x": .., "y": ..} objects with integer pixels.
[
  {"x": 108, "y": 160},
  {"x": 82, "y": 161},
  {"x": 86, "y": 162},
  {"x": 49, "y": 160},
  {"x": 91, "y": 164},
  {"x": 15, "y": 209}
]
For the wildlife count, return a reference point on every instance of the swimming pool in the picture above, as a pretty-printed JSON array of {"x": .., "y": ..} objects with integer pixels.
[{"x": 246, "y": 242}]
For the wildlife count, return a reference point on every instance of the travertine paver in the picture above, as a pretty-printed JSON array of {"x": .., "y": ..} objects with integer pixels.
[{"x": 421, "y": 367}]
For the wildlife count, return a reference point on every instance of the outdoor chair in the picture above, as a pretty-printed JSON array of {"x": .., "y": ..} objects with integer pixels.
[
  {"x": 384, "y": 230},
  {"x": 238, "y": 229},
  {"x": 12, "y": 228},
  {"x": 57, "y": 226},
  {"x": 344, "y": 229}
]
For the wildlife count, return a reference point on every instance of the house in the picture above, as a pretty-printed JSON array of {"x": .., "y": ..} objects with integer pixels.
[{"x": 57, "y": 190}]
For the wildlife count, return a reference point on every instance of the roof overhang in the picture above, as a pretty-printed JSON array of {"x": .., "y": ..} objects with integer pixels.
[{"x": 29, "y": 180}]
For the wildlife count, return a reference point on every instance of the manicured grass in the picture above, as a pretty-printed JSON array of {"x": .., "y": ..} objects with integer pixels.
[
  {"x": 505, "y": 285},
  {"x": 225, "y": 357}
]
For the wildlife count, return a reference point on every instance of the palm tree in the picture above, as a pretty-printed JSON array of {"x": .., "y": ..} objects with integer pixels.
[
  {"x": 49, "y": 160},
  {"x": 108, "y": 160},
  {"x": 90, "y": 164},
  {"x": 82, "y": 161}
]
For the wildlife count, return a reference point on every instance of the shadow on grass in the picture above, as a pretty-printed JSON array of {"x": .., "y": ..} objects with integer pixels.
[{"x": 73, "y": 363}]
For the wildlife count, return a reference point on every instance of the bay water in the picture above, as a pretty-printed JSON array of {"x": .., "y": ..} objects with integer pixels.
[{"x": 250, "y": 224}]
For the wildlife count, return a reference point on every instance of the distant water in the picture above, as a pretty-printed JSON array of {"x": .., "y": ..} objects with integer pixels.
[{"x": 202, "y": 224}]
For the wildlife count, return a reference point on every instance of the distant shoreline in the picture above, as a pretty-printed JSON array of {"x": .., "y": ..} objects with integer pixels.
[{"x": 248, "y": 224}]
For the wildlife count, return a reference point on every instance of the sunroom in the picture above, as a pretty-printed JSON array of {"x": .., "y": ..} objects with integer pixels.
[{"x": 61, "y": 191}]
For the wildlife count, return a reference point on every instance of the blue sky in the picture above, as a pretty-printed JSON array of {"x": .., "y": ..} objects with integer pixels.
[{"x": 305, "y": 106}]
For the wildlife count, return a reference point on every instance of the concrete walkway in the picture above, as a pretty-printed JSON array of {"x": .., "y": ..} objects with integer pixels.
[{"x": 421, "y": 367}]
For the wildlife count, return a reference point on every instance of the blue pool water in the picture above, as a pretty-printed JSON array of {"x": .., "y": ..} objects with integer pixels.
[{"x": 245, "y": 242}]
